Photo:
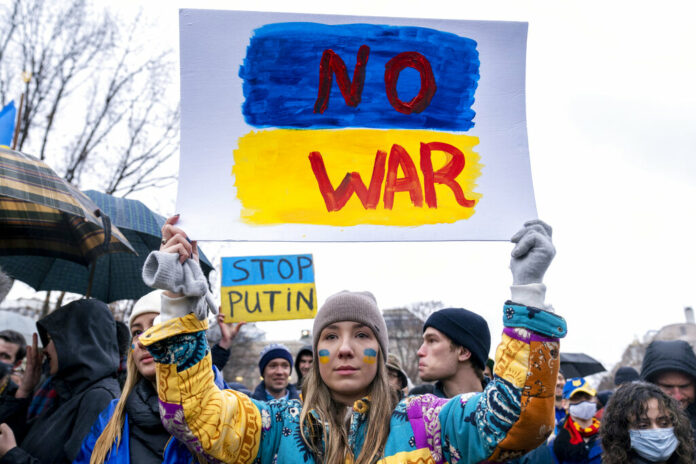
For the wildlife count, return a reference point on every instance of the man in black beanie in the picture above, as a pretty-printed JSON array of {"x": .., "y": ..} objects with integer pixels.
[{"x": 455, "y": 348}]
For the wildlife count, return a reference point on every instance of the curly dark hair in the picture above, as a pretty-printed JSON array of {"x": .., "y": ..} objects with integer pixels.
[{"x": 627, "y": 404}]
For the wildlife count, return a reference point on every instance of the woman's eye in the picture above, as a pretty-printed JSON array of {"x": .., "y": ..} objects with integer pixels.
[
  {"x": 136, "y": 333},
  {"x": 330, "y": 336},
  {"x": 362, "y": 335}
]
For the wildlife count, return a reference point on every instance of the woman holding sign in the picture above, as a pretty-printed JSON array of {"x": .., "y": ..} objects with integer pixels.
[{"x": 349, "y": 412}]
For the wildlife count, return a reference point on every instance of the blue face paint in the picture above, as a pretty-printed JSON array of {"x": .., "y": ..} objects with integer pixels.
[
  {"x": 132, "y": 346},
  {"x": 370, "y": 356}
]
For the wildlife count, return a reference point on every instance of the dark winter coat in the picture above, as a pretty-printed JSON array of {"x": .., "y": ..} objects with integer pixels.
[
  {"x": 84, "y": 335},
  {"x": 261, "y": 395},
  {"x": 433, "y": 389},
  {"x": 220, "y": 356},
  {"x": 587, "y": 452},
  {"x": 437, "y": 388},
  {"x": 144, "y": 439}
]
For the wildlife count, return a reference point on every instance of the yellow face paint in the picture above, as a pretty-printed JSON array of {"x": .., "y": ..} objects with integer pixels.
[
  {"x": 323, "y": 356},
  {"x": 370, "y": 356}
]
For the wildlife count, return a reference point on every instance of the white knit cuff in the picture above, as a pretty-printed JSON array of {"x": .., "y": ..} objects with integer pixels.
[
  {"x": 174, "y": 307},
  {"x": 529, "y": 295}
]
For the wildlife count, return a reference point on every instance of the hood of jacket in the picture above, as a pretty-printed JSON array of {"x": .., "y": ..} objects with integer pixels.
[
  {"x": 307, "y": 349},
  {"x": 84, "y": 334},
  {"x": 672, "y": 355}
]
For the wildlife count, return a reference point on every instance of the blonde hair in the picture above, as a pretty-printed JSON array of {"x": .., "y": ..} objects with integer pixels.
[
  {"x": 330, "y": 445},
  {"x": 114, "y": 428}
]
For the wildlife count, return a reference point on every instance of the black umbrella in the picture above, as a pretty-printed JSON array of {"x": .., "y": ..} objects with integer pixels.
[
  {"x": 117, "y": 276},
  {"x": 579, "y": 365}
]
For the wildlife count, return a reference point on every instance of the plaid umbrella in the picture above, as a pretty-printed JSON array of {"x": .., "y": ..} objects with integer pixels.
[
  {"x": 116, "y": 276},
  {"x": 43, "y": 215}
]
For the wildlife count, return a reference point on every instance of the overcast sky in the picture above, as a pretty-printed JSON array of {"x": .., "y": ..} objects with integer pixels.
[{"x": 612, "y": 131}]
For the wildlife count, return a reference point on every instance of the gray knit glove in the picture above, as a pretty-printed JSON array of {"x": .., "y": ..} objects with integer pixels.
[
  {"x": 165, "y": 272},
  {"x": 532, "y": 254}
]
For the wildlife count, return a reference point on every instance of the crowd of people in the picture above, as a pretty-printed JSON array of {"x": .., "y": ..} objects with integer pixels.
[{"x": 152, "y": 391}]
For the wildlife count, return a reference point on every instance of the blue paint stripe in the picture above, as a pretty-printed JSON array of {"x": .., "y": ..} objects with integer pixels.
[
  {"x": 259, "y": 270},
  {"x": 281, "y": 76}
]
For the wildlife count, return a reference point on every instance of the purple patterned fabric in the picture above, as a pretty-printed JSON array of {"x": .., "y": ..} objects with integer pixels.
[
  {"x": 423, "y": 415},
  {"x": 172, "y": 416},
  {"x": 528, "y": 335}
]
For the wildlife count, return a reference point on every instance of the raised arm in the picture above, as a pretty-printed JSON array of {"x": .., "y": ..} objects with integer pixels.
[
  {"x": 222, "y": 425},
  {"x": 514, "y": 414}
]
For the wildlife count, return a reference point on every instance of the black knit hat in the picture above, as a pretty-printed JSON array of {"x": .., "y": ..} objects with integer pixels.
[
  {"x": 274, "y": 351},
  {"x": 625, "y": 374},
  {"x": 464, "y": 328}
]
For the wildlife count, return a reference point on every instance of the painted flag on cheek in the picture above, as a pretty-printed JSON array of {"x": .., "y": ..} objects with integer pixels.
[
  {"x": 323, "y": 356},
  {"x": 370, "y": 356}
]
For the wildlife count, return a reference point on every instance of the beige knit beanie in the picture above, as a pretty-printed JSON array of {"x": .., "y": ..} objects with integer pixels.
[{"x": 352, "y": 306}]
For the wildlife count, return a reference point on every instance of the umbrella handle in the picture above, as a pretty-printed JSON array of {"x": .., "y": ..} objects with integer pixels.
[
  {"x": 92, "y": 266},
  {"x": 106, "y": 223}
]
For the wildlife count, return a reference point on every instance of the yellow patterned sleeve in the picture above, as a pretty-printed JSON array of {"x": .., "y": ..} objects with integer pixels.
[{"x": 222, "y": 425}]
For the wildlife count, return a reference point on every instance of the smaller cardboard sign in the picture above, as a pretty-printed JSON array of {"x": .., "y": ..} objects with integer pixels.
[{"x": 268, "y": 288}]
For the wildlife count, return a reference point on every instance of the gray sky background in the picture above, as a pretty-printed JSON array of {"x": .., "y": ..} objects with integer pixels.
[{"x": 611, "y": 124}]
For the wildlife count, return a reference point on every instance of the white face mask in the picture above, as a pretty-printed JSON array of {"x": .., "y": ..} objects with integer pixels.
[
  {"x": 655, "y": 445},
  {"x": 585, "y": 410}
]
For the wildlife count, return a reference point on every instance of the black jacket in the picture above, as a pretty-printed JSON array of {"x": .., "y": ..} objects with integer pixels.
[
  {"x": 261, "y": 395},
  {"x": 84, "y": 334}
]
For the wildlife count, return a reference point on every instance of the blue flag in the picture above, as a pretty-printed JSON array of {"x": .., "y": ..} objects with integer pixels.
[{"x": 8, "y": 115}]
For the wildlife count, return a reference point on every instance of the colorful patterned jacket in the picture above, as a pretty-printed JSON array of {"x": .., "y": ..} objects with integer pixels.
[{"x": 512, "y": 415}]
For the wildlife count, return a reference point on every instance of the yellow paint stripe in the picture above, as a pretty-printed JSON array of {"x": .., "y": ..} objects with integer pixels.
[
  {"x": 272, "y": 302},
  {"x": 276, "y": 184}
]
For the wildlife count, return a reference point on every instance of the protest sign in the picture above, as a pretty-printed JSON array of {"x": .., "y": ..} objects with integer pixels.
[
  {"x": 268, "y": 288},
  {"x": 311, "y": 127}
]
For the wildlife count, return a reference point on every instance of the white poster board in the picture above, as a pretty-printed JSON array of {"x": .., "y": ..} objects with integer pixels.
[{"x": 338, "y": 128}]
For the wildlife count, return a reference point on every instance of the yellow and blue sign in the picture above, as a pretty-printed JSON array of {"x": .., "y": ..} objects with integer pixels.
[
  {"x": 348, "y": 114},
  {"x": 268, "y": 288},
  {"x": 348, "y": 128}
]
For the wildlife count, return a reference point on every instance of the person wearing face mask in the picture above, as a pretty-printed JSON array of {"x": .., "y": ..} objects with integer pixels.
[
  {"x": 578, "y": 440},
  {"x": 642, "y": 424}
]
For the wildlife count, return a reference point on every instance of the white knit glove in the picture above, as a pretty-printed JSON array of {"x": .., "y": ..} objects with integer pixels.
[
  {"x": 164, "y": 271},
  {"x": 532, "y": 254}
]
